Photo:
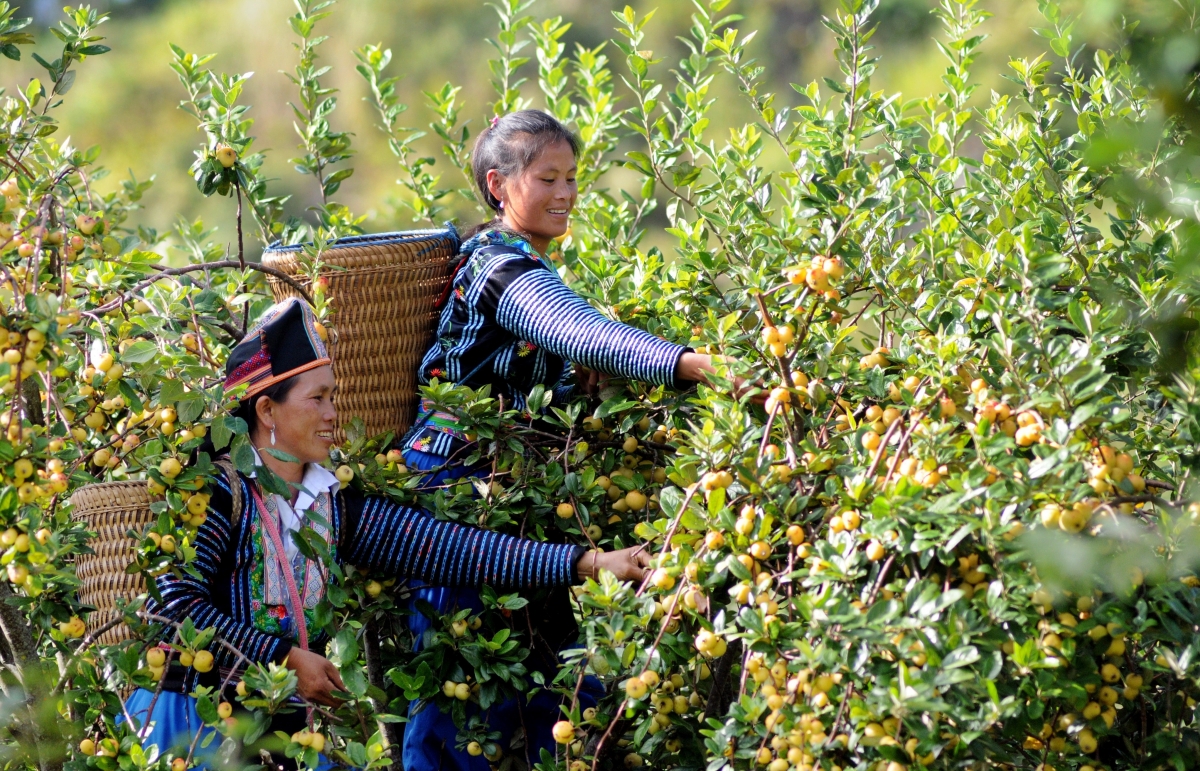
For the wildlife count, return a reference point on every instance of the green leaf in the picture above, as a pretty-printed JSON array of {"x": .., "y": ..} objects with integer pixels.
[{"x": 140, "y": 352}]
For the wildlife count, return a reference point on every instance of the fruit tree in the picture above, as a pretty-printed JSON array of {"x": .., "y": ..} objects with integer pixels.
[{"x": 959, "y": 533}]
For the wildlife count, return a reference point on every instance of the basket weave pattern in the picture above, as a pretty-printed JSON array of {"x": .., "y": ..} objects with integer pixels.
[
  {"x": 382, "y": 291},
  {"x": 111, "y": 509}
]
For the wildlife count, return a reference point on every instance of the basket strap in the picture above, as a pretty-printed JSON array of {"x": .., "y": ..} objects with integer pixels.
[
  {"x": 272, "y": 528},
  {"x": 235, "y": 482}
]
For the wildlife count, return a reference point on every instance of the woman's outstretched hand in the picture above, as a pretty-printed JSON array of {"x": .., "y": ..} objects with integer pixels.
[
  {"x": 590, "y": 381},
  {"x": 316, "y": 676},
  {"x": 694, "y": 367},
  {"x": 626, "y": 564}
]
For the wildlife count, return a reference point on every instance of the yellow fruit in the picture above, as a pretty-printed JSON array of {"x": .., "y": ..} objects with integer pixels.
[
  {"x": 875, "y": 551},
  {"x": 563, "y": 732},
  {"x": 156, "y": 657},
  {"x": 374, "y": 588},
  {"x": 344, "y": 474},
  {"x": 317, "y": 742},
  {"x": 635, "y": 500},
  {"x": 203, "y": 661},
  {"x": 474, "y": 749},
  {"x": 635, "y": 688},
  {"x": 170, "y": 468},
  {"x": 87, "y": 747},
  {"x": 565, "y": 511},
  {"x": 186, "y": 659},
  {"x": 224, "y": 710},
  {"x": 1087, "y": 741},
  {"x": 242, "y": 689},
  {"x": 226, "y": 156},
  {"x": 462, "y": 691}
]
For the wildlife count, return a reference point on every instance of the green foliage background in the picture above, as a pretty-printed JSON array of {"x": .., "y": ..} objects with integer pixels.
[{"x": 132, "y": 90}]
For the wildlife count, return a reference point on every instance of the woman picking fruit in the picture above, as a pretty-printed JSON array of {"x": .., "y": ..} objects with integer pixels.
[
  {"x": 510, "y": 322},
  {"x": 254, "y": 586}
]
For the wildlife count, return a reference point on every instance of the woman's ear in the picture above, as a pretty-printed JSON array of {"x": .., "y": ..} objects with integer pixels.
[
  {"x": 496, "y": 183},
  {"x": 264, "y": 409}
]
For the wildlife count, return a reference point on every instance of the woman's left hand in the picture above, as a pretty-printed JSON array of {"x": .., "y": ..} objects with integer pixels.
[
  {"x": 589, "y": 380},
  {"x": 694, "y": 367},
  {"x": 626, "y": 564}
]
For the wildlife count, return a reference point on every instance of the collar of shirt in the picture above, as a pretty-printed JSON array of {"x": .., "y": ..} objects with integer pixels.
[{"x": 317, "y": 479}]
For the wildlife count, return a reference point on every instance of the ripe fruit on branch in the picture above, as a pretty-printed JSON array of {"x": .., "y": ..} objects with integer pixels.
[
  {"x": 344, "y": 474},
  {"x": 563, "y": 732},
  {"x": 170, "y": 468},
  {"x": 202, "y": 662},
  {"x": 226, "y": 156}
]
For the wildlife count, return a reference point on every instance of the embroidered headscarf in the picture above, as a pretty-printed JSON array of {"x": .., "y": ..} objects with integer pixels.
[{"x": 286, "y": 341}]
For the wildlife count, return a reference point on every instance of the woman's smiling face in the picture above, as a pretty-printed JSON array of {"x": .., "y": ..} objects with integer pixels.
[
  {"x": 538, "y": 201},
  {"x": 305, "y": 419}
]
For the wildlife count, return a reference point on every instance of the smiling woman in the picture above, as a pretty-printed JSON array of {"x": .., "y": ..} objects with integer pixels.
[
  {"x": 252, "y": 583},
  {"x": 512, "y": 324}
]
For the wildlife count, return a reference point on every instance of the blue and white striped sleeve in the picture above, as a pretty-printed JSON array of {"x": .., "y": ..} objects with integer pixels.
[
  {"x": 405, "y": 542},
  {"x": 187, "y": 596},
  {"x": 537, "y": 306}
]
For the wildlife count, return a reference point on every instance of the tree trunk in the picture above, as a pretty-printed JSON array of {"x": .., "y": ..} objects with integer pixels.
[{"x": 392, "y": 733}]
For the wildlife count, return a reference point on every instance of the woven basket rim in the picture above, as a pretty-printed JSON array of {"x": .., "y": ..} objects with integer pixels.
[{"x": 373, "y": 239}]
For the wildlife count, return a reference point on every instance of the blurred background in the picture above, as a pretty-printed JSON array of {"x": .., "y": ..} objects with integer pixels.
[{"x": 126, "y": 100}]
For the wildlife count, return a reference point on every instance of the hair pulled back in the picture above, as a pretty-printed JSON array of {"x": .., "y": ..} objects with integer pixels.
[{"x": 512, "y": 143}]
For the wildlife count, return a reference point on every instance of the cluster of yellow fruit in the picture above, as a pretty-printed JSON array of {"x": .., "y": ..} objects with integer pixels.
[
  {"x": 710, "y": 645},
  {"x": 311, "y": 739},
  {"x": 781, "y": 689},
  {"x": 33, "y": 484},
  {"x": 713, "y": 480},
  {"x": 17, "y": 553},
  {"x": 803, "y": 392},
  {"x": 1072, "y": 519},
  {"x": 1109, "y": 468},
  {"x": 107, "y": 748},
  {"x": 23, "y": 349},
  {"x": 633, "y": 500},
  {"x": 393, "y": 460},
  {"x": 460, "y": 691},
  {"x": 971, "y": 578},
  {"x": 818, "y": 275},
  {"x": 201, "y": 661},
  {"x": 665, "y": 696}
]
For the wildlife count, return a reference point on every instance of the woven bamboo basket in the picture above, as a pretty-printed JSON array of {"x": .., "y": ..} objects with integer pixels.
[
  {"x": 382, "y": 291},
  {"x": 111, "y": 509}
]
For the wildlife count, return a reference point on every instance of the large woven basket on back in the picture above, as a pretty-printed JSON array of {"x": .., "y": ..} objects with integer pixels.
[
  {"x": 383, "y": 290},
  {"x": 111, "y": 509}
]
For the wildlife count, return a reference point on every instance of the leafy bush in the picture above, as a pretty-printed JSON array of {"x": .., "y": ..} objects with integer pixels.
[{"x": 958, "y": 534}]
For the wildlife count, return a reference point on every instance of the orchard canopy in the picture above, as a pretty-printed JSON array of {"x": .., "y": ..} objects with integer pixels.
[{"x": 959, "y": 533}]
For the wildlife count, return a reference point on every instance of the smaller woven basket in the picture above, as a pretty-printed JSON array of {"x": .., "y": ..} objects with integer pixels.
[
  {"x": 111, "y": 509},
  {"x": 383, "y": 291}
]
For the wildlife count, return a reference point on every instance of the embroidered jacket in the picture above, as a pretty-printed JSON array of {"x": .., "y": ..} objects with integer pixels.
[
  {"x": 505, "y": 300},
  {"x": 370, "y": 532}
]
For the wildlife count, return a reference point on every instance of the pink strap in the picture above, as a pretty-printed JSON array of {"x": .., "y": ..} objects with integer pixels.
[{"x": 272, "y": 527}]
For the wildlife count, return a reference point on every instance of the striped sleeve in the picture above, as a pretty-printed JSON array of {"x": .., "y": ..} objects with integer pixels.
[
  {"x": 409, "y": 543},
  {"x": 537, "y": 306},
  {"x": 188, "y": 594}
]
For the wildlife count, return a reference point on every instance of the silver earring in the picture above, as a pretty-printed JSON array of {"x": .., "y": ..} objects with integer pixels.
[
  {"x": 272, "y": 436},
  {"x": 502, "y": 204}
]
